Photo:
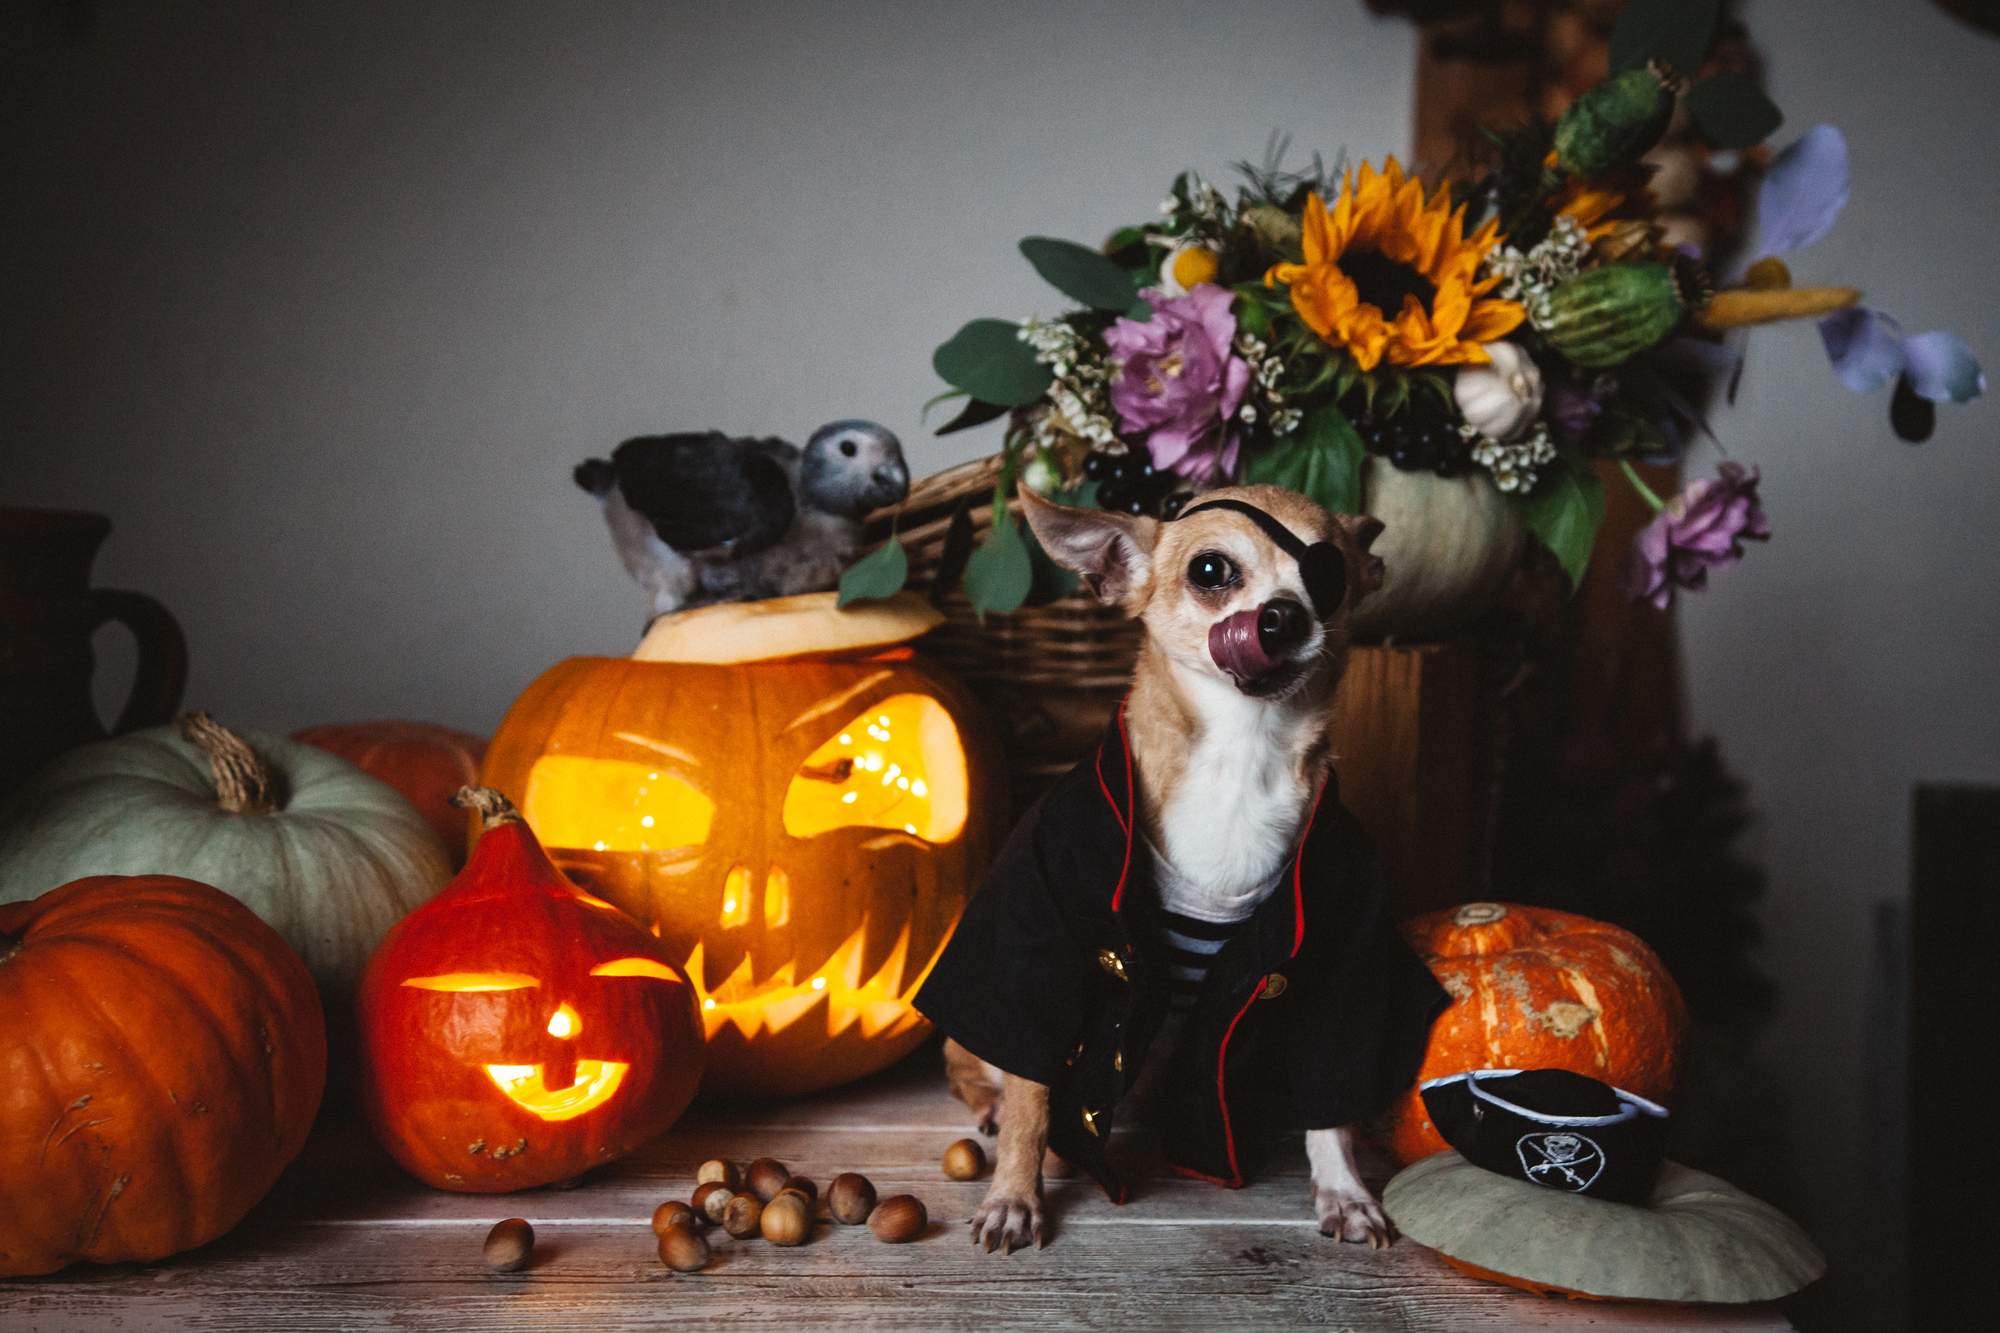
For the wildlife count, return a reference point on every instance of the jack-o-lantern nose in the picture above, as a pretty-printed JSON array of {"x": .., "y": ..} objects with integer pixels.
[{"x": 564, "y": 1022}]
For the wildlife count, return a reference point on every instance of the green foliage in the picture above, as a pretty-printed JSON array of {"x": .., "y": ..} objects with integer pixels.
[
  {"x": 879, "y": 575},
  {"x": 988, "y": 360},
  {"x": 1000, "y": 573},
  {"x": 1674, "y": 31},
  {"x": 1731, "y": 111},
  {"x": 976, "y": 413},
  {"x": 1563, "y": 511},
  {"x": 1322, "y": 461},
  {"x": 957, "y": 550},
  {"x": 1083, "y": 275}
]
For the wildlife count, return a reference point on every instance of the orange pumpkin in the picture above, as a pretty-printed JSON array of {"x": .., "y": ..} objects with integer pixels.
[
  {"x": 1534, "y": 988},
  {"x": 516, "y": 1031},
  {"x": 425, "y": 762},
  {"x": 801, "y": 830},
  {"x": 162, "y": 1055}
]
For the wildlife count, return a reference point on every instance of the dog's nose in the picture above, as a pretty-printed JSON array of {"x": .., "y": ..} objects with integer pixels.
[{"x": 1282, "y": 625}]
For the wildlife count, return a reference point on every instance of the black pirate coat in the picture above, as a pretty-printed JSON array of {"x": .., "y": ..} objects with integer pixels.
[{"x": 1058, "y": 973}]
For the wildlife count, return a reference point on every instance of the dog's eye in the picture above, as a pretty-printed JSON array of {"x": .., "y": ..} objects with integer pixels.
[{"x": 1209, "y": 571}]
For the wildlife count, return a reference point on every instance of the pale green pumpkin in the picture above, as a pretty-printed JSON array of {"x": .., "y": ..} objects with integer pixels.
[
  {"x": 337, "y": 859},
  {"x": 1448, "y": 545}
]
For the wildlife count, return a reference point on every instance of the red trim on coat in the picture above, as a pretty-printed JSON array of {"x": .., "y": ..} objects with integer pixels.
[
  {"x": 1203, "y": 1175},
  {"x": 1222, "y": 1093},
  {"x": 1130, "y": 816},
  {"x": 1299, "y": 869}
]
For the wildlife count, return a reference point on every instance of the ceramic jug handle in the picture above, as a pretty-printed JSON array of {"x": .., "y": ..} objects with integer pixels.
[{"x": 163, "y": 658}]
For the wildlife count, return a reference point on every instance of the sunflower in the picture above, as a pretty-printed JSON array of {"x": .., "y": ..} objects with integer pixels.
[{"x": 1381, "y": 249}]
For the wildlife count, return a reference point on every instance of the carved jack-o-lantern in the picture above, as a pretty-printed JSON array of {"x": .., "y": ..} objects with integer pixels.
[
  {"x": 516, "y": 1031},
  {"x": 800, "y": 818}
]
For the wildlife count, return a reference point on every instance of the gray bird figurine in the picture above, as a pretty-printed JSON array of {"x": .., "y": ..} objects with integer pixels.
[{"x": 702, "y": 518}]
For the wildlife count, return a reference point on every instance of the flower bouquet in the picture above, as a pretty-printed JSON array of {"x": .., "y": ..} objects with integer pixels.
[{"x": 1343, "y": 334}]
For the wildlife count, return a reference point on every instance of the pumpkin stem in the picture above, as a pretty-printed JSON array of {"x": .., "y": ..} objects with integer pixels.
[
  {"x": 1479, "y": 914},
  {"x": 494, "y": 809},
  {"x": 244, "y": 783}
]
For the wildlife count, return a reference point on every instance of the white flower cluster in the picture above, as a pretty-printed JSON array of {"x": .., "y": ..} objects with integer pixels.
[
  {"x": 1531, "y": 277},
  {"x": 1076, "y": 403},
  {"x": 1513, "y": 465},
  {"x": 1265, "y": 372},
  {"x": 1205, "y": 203}
]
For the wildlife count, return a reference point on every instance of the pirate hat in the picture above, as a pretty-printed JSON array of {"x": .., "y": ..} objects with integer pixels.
[{"x": 1553, "y": 1128}]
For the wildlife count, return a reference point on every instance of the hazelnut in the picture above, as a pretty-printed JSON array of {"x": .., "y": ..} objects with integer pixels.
[
  {"x": 712, "y": 1198},
  {"x": 715, "y": 1169},
  {"x": 849, "y": 1198},
  {"x": 742, "y": 1216},
  {"x": 509, "y": 1244},
  {"x": 672, "y": 1213},
  {"x": 898, "y": 1218},
  {"x": 964, "y": 1160},
  {"x": 787, "y": 1219},
  {"x": 766, "y": 1177},
  {"x": 803, "y": 1186},
  {"x": 682, "y": 1250}
]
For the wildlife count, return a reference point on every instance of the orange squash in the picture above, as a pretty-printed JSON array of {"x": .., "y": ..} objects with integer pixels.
[
  {"x": 424, "y": 761},
  {"x": 162, "y": 1055},
  {"x": 802, "y": 831},
  {"x": 1534, "y": 988}
]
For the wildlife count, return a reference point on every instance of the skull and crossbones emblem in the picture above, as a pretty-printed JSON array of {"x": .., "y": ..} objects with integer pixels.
[{"x": 1567, "y": 1162}]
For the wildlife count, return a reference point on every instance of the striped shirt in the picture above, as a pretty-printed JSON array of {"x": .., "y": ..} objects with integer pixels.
[{"x": 1191, "y": 945}]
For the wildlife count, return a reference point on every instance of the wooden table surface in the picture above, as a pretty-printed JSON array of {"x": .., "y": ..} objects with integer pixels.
[{"x": 347, "y": 1241}]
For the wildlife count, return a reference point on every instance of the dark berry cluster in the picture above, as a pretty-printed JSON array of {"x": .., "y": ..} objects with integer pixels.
[
  {"x": 1413, "y": 443},
  {"x": 1128, "y": 483}
]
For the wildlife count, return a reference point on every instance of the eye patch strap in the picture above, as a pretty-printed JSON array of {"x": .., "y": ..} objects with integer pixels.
[{"x": 1321, "y": 565}]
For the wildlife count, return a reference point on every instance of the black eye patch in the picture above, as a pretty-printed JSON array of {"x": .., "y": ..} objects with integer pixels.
[{"x": 1322, "y": 567}]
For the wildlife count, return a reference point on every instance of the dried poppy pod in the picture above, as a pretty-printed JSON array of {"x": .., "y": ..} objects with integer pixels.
[
  {"x": 850, "y": 1198},
  {"x": 716, "y": 1170},
  {"x": 682, "y": 1250},
  {"x": 672, "y": 1213},
  {"x": 743, "y": 1216},
  {"x": 712, "y": 1198},
  {"x": 509, "y": 1244},
  {"x": 899, "y": 1218},
  {"x": 766, "y": 1176},
  {"x": 964, "y": 1160},
  {"x": 787, "y": 1219}
]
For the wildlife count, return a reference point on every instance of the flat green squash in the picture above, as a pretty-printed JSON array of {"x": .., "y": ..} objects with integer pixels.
[{"x": 1700, "y": 1240}]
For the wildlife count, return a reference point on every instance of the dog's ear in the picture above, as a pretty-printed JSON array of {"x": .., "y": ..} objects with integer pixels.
[
  {"x": 1362, "y": 530},
  {"x": 1113, "y": 552}
]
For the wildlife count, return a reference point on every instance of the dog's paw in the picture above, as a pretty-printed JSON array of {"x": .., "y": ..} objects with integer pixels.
[
  {"x": 1007, "y": 1223},
  {"x": 1351, "y": 1215}
]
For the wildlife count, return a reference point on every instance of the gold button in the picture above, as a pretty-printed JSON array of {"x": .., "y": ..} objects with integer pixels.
[
  {"x": 1090, "y": 1121},
  {"x": 1118, "y": 1061},
  {"x": 1111, "y": 963},
  {"x": 1076, "y": 1054},
  {"x": 1274, "y": 986}
]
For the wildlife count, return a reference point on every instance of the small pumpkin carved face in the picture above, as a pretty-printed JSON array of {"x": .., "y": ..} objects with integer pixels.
[{"x": 804, "y": 833}]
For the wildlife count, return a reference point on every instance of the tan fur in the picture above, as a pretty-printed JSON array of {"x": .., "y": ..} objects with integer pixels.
[{"x": 1179, "y": 695}]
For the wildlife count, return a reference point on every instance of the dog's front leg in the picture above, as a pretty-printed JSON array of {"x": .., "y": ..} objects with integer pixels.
[
  {"x": 1011, "y": 1214},
  {"x": 1345, "y": 1206}
]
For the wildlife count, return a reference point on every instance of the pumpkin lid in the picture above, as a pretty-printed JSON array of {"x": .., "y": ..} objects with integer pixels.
[
  {"x": 1698, "y": 1239},
  {"x": 785, "y": 627}
]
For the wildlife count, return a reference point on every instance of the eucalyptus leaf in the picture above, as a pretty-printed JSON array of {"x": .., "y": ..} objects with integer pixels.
[
  {"x": 1731, "y": 111},
  {"x": 977, "y": 413},
  {"x": 957, "y": 550},
  {"x": 1563, "y": 511},
  {"x": 1322, "y": 461},
  {"x": 988, "y": 360},
  {"x": 1080, "y": 273},
  {"x": 1674, "y": 31},
  {"x": 999, "y": 573},
  {"x": 878, "y": 575}
]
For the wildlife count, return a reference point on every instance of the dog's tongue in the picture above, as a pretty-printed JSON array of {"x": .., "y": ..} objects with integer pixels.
[{"x": 1234, "y": 645}]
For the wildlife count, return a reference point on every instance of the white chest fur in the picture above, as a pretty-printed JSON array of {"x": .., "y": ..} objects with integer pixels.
[{"x": 1228, "y": 823}]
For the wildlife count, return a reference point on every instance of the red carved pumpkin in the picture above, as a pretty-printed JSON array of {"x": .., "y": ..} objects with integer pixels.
[
  {"x": 1534, "y": 988},
  {"x": 425, "y": 762},
  {"x": 801, "y": 816},
  {"x": 516, "y": 1031},
  {"x": 162, "y": 1054}
]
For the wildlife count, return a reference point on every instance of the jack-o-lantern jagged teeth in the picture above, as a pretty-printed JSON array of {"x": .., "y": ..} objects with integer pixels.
[{"x": 880, "y": 1005}]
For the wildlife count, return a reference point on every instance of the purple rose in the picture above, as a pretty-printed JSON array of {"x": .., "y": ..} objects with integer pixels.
[
  {"x": 1179, "y": 380},
  {"x": 1703, "y": 527}
]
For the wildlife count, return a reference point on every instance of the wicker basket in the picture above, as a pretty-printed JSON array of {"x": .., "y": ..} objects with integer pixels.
[{"x": 1050, "y": 675}]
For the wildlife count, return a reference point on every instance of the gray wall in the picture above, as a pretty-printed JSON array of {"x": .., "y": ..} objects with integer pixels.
[{"x": 321, "y": 303}]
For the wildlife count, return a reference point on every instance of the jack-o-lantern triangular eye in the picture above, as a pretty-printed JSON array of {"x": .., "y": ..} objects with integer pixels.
[{"x": 899, "y": 765}]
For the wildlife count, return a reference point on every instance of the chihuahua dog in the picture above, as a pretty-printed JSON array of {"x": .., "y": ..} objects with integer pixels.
[{"x": 1227, "y": 724}]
